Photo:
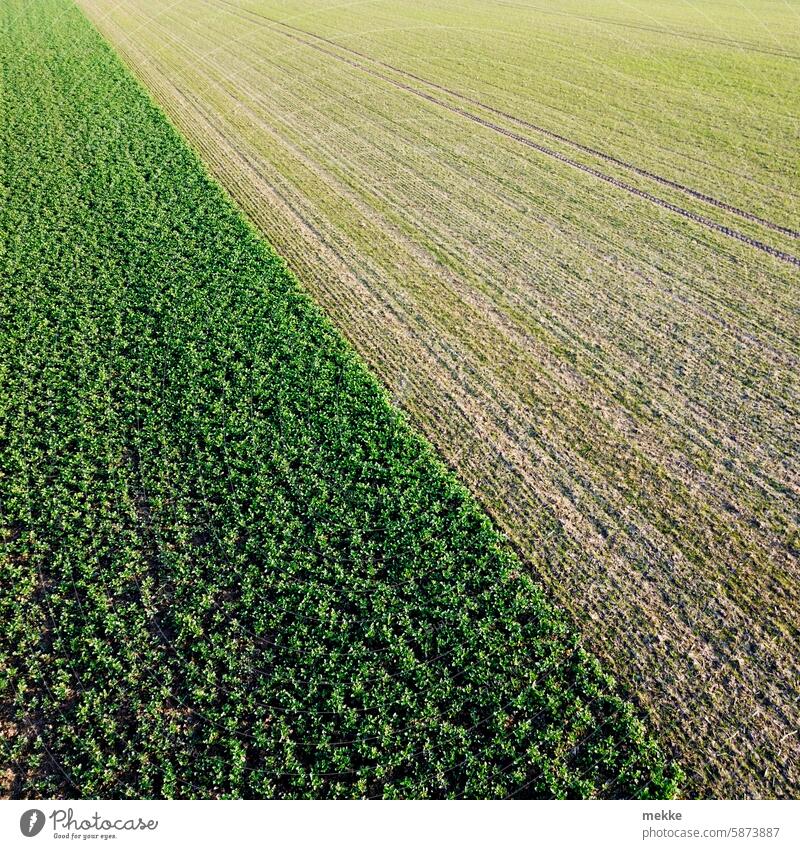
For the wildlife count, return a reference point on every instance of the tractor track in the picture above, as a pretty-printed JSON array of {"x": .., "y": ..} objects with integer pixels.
[{"x": 546, "y": 151}]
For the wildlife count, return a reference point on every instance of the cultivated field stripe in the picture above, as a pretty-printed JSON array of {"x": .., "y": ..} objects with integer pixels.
[{"x": 734, "y": 210}]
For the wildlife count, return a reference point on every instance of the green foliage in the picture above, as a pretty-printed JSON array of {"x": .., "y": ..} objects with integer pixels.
[{"x": 229, "y": 566}]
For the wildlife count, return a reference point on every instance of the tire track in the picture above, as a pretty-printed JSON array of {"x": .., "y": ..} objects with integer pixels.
[
  {"x": 607, "y": 157},
  {"x": 546, "y": 151}
]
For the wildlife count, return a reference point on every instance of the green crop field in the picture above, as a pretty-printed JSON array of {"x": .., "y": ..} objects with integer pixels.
[
  {"x": 229, "y": 566},
  {"x": 565, "y": 237}
]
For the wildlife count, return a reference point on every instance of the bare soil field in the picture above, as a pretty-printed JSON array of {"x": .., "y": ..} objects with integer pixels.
[{"x": 566, "y": 240}]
